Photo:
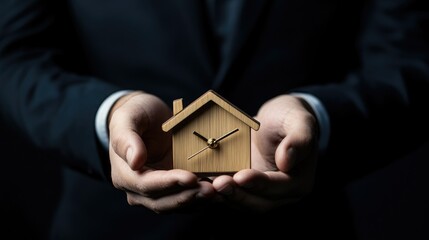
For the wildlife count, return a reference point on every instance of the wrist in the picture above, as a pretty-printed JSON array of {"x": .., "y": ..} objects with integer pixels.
[{"x": 119, "y": 103}]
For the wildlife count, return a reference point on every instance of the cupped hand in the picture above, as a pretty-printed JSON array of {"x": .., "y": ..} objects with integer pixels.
[
  {"x": 140, "y": 156},
  {"x": 284, "y": 156}
]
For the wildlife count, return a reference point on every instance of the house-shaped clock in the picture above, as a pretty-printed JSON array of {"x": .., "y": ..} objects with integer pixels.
[{"x": 210, "y": 135}]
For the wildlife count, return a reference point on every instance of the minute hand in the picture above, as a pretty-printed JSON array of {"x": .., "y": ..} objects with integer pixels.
[{"x": 226, "y": 135}]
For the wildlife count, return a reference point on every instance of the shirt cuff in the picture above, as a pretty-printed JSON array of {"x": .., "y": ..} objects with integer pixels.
[
  {"x": 322, "y": 117},
  {"x": 101, "y": 127}
]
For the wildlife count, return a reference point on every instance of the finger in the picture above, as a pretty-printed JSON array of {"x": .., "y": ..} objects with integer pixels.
[
  {"x": 129, "y": 146},
  {"x": 161, "y": 183},
  {"x": 125, "y": 131},
  {"x": 273, "y": 184},
  {"x": 224, "y": 184},
  {"x": 285, "y": 155},
  {"x": 149, "y": 182},
  {"x": 174, "y": 201},
  {"x": 299, "y": 142}
]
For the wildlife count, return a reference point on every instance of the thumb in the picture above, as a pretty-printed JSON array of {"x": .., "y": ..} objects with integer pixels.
[
  {"x": 285, "y": 155},
  {"x": 129, "y": 146},
  {"x": 126, "y": 125},
  {"x": 293, "y": 148},
  {"x": 136, "y": 152}
]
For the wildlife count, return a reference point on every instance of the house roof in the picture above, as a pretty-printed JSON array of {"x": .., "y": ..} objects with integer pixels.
[{"x": 209, "y": 96}]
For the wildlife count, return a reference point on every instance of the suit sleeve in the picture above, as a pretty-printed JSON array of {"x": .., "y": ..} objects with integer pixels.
[
  {"x": 44, "y": 90},
  {"x": 378, "y": 112}
]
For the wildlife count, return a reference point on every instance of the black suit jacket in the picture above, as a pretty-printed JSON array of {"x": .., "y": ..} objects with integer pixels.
[{"x": 367, "y": 63}]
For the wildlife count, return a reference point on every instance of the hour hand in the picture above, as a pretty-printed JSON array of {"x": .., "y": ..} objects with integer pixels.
[{"x": 200, "y": 136}]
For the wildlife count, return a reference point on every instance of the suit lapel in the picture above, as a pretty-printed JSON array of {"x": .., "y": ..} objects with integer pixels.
[{"x": 249, "y": 16}]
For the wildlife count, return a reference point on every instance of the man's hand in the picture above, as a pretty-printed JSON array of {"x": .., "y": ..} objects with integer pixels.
[
  {"x": 284, "y": 153},
  {"x": 140, "y": 156}
]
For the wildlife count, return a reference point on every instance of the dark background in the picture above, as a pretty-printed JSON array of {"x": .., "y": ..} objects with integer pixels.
[
  {"x": 390, "y": 203},
  {"x": 393, "y": 202},
  {"x": 31, "y": 187}
]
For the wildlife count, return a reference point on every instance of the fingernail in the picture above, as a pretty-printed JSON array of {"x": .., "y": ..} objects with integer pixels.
[
  {"x": 227, "y": 190},
  {"x": 129, "y": 154}
]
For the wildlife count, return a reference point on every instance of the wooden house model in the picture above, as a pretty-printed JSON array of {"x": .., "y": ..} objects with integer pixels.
[{"x": 210, "y": 135}]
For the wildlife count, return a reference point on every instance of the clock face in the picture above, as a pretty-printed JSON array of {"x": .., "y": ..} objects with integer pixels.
[{"x": 212, "y": 141}]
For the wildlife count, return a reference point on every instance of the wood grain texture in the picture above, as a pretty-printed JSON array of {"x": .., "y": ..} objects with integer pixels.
[
  {"x": 209, "y": 96},
  {"x": 177, "y": 106},
  {"x": 212, "y": 117},
  {"x": 212, "y": 121}
]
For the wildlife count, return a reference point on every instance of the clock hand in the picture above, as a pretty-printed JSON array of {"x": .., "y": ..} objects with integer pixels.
[
  {"x": 211, "y": 142},
  {"x": 226, "y": 135},
  {"x": 195, "y": 154},
  {"x": 200, "y": 136}
]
